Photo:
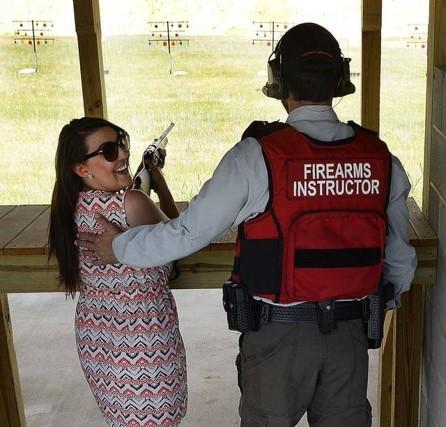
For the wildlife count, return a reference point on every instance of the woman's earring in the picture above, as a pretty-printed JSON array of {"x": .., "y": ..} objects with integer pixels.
[{"x": 90, "y": 175}]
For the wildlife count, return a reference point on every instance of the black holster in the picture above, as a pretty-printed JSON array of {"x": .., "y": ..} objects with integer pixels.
[{"x": 242, "y": 310}]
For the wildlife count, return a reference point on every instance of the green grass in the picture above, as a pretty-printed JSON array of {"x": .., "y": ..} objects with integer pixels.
[{"x": 211, "y": 106}]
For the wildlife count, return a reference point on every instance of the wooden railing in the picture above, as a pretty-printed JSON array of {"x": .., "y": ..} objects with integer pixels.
[{"x": 24, "y": 267}]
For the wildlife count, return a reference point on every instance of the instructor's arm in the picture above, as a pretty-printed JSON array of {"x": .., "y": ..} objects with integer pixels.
[{"x": 236, "y": 190}]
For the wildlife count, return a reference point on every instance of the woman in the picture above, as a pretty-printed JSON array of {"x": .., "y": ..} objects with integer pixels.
[{"x": 126, "y": 324}]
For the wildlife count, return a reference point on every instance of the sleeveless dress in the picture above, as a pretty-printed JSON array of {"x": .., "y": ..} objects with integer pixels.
[{"x": 127, "y": 331}]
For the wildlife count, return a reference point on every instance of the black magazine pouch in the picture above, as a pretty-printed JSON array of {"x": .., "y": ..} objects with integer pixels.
[{"x": 375, "y": 320}]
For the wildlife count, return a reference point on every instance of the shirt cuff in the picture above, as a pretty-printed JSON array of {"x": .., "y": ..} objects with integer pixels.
[{"x": 395, "y": 303}]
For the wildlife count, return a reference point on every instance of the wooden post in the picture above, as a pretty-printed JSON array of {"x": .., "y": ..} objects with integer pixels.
[
  {"x": 401, "y": 362},
  {"x": 409, "y": 356},
  {"x": 436, "y": 55},
  {"x": 88, "y": 28},
  {"x": 371, "y": 63},
  {"x": 402, "y": 349},
  {"x": 12, "y": 413},
  {"x": 386, "y": 387}
]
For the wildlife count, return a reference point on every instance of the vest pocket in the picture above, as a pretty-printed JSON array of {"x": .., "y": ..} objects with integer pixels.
[
  {"x": 260, "y": 265},
  {"x": 335, "y": 255}
]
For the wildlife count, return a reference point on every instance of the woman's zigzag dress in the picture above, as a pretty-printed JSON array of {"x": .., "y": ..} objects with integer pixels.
[{"x": 127, "y": 332}]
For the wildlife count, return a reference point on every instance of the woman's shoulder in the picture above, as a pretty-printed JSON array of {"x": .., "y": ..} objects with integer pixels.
[
  {"x": 141, "y": 209},
  {"x": 137, "y": 199}
]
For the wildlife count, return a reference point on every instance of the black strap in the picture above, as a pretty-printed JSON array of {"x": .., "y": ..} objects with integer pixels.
[
  {"x": 258, "y": 129},
  {"x": 308, "y": 312},
  {"x": 355, "y": 125},
  {"x": 236, "y": 266},
  {"x": 334, "y": 258}
]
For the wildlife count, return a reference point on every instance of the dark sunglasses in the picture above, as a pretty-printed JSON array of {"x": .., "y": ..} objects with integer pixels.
[{"x": 110, "y": 149}]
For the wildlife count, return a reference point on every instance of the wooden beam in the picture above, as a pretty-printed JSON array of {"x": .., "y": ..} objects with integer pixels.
[
  {"x": 24, "y": 265},
  {"x": 33, "y": 273},
  {"x": 436, "y": 55},
  {"x": 88, "y": 28},
  {"x": 371, "y": 63},
  {"x": 12, "y": 413}
]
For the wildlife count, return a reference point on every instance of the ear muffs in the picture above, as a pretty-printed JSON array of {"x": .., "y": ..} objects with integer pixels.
[
  {"x": 276, "y": 88},
  {"x": 345, "y": 86}
]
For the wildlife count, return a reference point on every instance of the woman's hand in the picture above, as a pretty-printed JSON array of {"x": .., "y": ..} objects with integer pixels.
[
  {"x": 154, "y": 166},
  {"x": 159, "y": 157},
  {"x": 159, "y": 184}
]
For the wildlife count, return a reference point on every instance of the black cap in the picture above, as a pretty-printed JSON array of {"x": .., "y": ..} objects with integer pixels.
[{"x": 308, "y": 47}]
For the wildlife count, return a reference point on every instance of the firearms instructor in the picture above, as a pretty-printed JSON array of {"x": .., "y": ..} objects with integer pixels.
[{"x": 322, "y": 247}]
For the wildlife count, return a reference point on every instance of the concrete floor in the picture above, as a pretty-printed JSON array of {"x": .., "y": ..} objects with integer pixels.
[{"x": 54, "y": 389}]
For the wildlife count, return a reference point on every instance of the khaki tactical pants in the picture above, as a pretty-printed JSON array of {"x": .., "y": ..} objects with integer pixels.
[{"x": 289, "y": 369}]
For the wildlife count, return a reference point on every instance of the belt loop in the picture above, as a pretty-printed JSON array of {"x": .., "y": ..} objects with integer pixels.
[
  {"x": 325, "y": 316},
  {"x": 265, "y": 315}
]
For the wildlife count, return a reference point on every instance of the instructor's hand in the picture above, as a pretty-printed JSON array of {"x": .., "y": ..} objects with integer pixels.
[{"x": 99, "y": 246}]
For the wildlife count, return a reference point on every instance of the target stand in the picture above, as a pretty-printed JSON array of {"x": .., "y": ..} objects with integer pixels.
[
  {"x": 33, "y": 33},
  {"x": 169, "y": 34},
  {"x": 417, "y": 36},
  {"x": 269, "y": 32}
]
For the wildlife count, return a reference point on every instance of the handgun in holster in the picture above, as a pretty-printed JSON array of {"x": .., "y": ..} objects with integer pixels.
[{"x": 242, "y": 310}]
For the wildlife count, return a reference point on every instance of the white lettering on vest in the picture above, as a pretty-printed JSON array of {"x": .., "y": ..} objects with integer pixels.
[
  {"x": 330, "y": 179},
  {"x": 348, "y": 170}
]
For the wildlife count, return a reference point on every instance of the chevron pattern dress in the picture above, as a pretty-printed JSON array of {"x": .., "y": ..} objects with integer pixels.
[{"x": 127, "y": 332}]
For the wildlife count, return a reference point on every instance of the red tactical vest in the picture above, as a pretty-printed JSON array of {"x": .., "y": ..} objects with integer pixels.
[{"x": 323, "y": 231}]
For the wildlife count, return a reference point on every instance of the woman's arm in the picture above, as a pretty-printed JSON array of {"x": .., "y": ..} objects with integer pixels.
[
  {"x": 167, "y": 204},
  {"x": 159, "y": 185}
]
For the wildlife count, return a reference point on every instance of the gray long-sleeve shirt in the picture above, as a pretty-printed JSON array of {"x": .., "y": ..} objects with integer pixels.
[{"x": 238, "y": 190}]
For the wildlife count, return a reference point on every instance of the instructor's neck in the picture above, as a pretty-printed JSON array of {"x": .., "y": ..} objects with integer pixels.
[{"x": 291, "y": 104}]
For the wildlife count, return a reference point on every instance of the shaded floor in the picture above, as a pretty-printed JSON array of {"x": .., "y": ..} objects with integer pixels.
[{"x": 54, "y": 389}]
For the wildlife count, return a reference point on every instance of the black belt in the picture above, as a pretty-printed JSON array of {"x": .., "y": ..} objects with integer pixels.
[{"x": 311, "y": 312}]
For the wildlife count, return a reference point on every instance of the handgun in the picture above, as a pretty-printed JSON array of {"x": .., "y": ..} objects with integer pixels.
[{"x": 142, "y": 178}]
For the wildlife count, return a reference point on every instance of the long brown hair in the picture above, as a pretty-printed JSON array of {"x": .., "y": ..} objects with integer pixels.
[{"x": 71, "y": 149}]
